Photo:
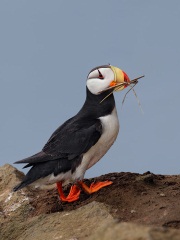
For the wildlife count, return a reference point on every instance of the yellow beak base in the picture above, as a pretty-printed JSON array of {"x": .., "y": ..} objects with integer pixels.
[{"x": 118, "y": 77}]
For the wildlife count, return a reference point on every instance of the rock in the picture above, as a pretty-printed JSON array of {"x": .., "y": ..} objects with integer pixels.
[
  {"x": 133, "y": 211},
  {"x": 10, "y": 201},
  {"x": 129, "y": 231},
  {"x": 128, "y": 209},
  {"x": 162, "y": 195},
  {"x": 76, "y": 224},
  {"x": 9, "y": 176},
  {"x": 147, "y": 178}
]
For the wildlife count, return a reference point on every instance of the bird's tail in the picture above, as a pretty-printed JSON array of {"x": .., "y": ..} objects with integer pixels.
[
  {"x": 18, "y": 187},
  {"x": 21, "y": 185}
]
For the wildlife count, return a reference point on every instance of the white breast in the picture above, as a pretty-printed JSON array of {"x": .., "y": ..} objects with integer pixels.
[{"x": 110, "y": 129}]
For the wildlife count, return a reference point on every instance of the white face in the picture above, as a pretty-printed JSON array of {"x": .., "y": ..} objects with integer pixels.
[{"x": 99, "y": 79}]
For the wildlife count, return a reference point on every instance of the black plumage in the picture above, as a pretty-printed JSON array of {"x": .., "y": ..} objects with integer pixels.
[{"x": 64, "y": 150}]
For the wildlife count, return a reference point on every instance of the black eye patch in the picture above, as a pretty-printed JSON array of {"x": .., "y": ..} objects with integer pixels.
[{"x": 100, "y": 74}]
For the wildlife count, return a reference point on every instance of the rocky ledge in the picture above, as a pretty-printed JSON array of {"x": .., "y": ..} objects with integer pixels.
[{"x": 136, "y": 206}]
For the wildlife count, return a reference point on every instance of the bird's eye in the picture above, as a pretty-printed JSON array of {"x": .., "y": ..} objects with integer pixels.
[{"x": 100, "y": 75}]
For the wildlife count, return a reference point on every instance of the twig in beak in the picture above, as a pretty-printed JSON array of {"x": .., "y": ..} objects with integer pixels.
[
  {"x": 128, "y": 92},
  {"x": 119, "y": 85},
  {"x": 135, "y": 79},
  {"x": 113, "y": 87},
  {"x": 107, "y": 96},
  {"x": 132, "y": 88},
  {"x": 138, "y": 101}
]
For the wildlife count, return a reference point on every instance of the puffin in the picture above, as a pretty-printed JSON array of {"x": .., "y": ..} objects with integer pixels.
[{"x": 81, "y": 141}]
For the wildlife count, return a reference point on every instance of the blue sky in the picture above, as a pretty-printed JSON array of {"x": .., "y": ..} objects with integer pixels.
[{"x": 47, "y": 49}]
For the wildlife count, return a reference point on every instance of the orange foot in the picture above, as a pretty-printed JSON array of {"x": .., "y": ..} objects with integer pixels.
[
  {"x": 94, "y": 187},
  {"x": 72, "y": 196}
]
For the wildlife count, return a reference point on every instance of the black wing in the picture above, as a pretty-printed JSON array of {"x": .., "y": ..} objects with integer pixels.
[
  {"x": 71, "y": 139},
  {"x": 74, "y": 138}
]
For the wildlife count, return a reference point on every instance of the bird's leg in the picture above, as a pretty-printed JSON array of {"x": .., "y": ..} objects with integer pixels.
[
  {"x": 73, "y": 194},
  {"x": 94, "y": 187}
]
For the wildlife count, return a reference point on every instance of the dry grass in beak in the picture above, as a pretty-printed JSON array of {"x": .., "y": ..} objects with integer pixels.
[
  {"x": 132, "y": 84},
  {"x": 119, "y": 85},
  {"x": 132, "y": 88}
]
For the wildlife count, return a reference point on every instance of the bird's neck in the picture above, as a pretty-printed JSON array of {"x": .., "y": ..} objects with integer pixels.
[{"x": 94, "y": 108}]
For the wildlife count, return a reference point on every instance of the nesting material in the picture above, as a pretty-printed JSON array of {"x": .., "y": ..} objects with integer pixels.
[{"x": 119, "y": 86}]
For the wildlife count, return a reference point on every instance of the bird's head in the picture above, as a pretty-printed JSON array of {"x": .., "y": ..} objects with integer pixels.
[{"x": 102, "y": 78}]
